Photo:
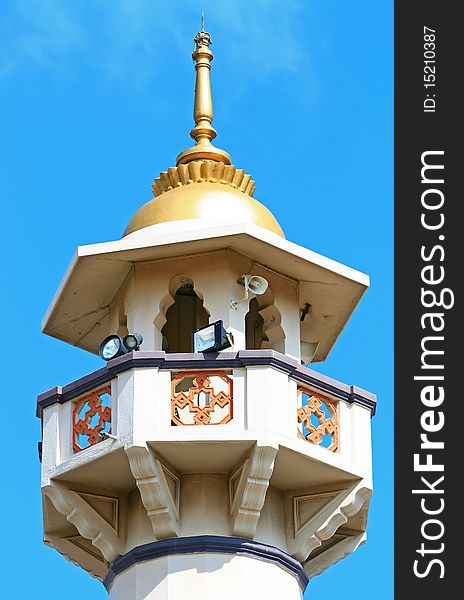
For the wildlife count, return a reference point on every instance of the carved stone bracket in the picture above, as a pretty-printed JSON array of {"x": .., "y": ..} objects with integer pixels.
[
  {"x": 160, "y": 499},
  {"x": 316, "y": 517},
  {"x": 86, "y": 519},
  {"x": 97, "y": 568},
  {"x": 248, "y": 486},
  {"x": 341, "y": 549}
]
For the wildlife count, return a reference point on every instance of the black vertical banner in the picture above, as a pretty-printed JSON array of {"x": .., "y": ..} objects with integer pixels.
[{"x": 429, "y": 242}]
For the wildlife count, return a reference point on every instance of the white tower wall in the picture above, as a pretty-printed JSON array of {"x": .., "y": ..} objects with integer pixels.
[
  {"x": 149, "y": 289},
  {"x": 205, "y": 577}
]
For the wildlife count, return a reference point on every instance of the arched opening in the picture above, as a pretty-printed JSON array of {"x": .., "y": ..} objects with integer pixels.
[{"x": 184, "y": 316}]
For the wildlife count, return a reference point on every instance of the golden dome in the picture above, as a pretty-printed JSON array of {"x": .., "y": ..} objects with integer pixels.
[
  {"x": 205, "y": 201},
  {"x": 204, "y": 184}
]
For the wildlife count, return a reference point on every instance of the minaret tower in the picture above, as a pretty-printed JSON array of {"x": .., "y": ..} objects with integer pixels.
[{"x": 213, "y": 464}]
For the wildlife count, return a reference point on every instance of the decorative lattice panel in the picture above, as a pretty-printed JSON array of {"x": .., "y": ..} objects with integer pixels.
[
  {"x": 203, "y": 398},
  {"x": 317, "y": 419},
  {"x": 91, "y": 419}
]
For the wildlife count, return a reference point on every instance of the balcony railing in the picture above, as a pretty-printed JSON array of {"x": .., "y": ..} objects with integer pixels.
[
  {"x": 91, "y": 418},
  {"x": 247, "y": 391},
  {"x": 201, "y": 398},
  {"x": 317, "y": 418}
]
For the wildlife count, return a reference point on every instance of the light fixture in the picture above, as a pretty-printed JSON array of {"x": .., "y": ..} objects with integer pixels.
[
  {"x": 113, "y": 346},
  {"x": 211, "y": 338},
  {"x": 133, "y": 341},
  {"x": 254, "y": 284}
]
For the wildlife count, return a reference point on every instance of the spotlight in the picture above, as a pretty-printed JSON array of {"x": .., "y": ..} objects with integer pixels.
[
  {"x": 133, "y": 341},
  {"x": 112, "y": 346},
  {"x": 211, "y": 338}
]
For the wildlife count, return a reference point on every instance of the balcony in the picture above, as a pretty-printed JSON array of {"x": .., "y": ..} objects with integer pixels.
[
  {"x": 186, "y": 406},
  {"x": 205, "y": 442}
]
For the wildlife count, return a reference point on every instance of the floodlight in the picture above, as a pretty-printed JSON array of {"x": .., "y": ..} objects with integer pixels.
[
  {"x": 111, "y": 347},
  {"x": 114, "y": 346},
  {"x": 211, "y": 338},
  {"x": 133, "y": 341}
]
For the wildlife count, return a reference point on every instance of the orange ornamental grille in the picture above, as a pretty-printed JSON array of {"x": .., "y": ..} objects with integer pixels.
[
  {"x": 317, "y": 419},
  {"x": 203, "y": 398},
  {"x": 91, "y": 419}
]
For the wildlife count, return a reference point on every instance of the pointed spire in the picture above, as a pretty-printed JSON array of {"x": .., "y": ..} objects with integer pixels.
[{"x": 203, "y": 132}]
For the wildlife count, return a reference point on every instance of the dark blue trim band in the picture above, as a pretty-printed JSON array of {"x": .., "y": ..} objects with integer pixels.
[{"x": 215, "y": 544}]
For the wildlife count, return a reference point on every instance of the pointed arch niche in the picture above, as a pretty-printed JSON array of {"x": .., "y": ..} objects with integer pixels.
[
  {"x": 181, "y": 312},
  {"x": 263, "y": 324}
]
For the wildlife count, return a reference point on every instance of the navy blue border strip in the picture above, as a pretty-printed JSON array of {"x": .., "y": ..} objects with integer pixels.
[
  {"x": 203, "y": 544},
  {"x": 210, "y": 360}
]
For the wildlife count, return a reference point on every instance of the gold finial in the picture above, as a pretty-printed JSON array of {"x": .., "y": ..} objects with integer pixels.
[{"x": 203, "y": 132}]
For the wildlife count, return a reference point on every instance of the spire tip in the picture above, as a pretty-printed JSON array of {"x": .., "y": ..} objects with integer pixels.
[
  {"x": 203, "y": 132},
  {"x": 202, "y": 38}
]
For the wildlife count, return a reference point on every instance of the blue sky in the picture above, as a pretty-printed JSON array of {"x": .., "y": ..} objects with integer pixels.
[{"x": 96, "y": 100}]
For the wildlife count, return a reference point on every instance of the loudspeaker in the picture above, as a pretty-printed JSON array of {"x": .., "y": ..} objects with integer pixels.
[{"x": 256, "y": 285}]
